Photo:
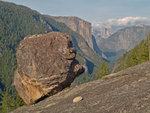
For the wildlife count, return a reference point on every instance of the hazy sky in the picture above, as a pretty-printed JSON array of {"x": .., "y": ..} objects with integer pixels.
[{"x": 90, "y": 10}]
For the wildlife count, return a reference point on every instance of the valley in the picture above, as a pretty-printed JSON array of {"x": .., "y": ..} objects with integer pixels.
[{"x": 119, "y": 43}]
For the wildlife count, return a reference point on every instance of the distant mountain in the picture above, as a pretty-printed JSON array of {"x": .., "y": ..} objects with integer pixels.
[
  {"x": 107, "y": 28},
  {"x": 124, "y": 39},
  {"x": 115, "y": 36},
  {"x": 102, "y": 32}
]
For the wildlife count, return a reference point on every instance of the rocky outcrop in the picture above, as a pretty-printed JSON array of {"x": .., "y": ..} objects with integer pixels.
[
  {"x": 46, "y": 65},
  {"x": 123, "y": 92},
  {"x": 78, "y": 25}
]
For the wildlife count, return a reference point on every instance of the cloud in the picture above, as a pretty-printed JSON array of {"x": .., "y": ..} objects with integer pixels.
[{"x": 127, "y": 21}]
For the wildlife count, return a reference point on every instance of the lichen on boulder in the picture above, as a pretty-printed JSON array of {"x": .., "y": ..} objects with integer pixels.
[{"x": 46, "y": 64}]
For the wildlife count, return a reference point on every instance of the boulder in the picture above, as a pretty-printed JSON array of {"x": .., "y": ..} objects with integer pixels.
[{"x": 46, "y": 64}]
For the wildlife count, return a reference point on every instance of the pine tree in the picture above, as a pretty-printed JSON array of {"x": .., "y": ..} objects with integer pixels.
[
  {"x": 9, "y": 103},
  {"x": 148, "y": 40},
  {"x": 102, "y": 71}
]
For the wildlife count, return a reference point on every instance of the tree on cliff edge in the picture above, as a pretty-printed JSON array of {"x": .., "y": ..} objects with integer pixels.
[
  {"x": 102, "y": 71},
  {"x": 148, "y": 40}
]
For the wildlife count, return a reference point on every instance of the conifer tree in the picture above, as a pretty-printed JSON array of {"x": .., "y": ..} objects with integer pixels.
[
  {"x": 102, "y": 71},
  {"x": 148, "y": 40}
]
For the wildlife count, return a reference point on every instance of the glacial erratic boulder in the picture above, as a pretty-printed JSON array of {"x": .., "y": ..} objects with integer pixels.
[{"x": 46, "y": 65}]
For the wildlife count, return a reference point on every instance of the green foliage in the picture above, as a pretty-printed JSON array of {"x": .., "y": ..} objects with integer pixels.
[
  {"x": 137, "y": 55},
  {"x": 9, "y": 102},
  {"x": 103, "y": 70},
  {"x": 148, "y": 41}
]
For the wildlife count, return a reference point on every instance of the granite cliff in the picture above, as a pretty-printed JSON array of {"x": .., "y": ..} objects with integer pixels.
[
  {"x": 78, "y": 25},
  {"x": 46, "y": 65},
  {"x": 124, "y": 39},
  {"x": 124, "y": 92}
]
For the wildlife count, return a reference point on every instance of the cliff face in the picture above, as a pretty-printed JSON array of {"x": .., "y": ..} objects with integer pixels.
[
  {"x": 78, "y": 25},
  {"x": 124, "y": 39},
  {"x": 126, "y": 91}
]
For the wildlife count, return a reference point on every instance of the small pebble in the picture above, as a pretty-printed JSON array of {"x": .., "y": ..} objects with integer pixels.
[{"x": 77, "y": 99}]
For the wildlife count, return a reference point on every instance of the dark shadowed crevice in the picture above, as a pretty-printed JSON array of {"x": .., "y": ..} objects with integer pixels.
[{"x": 90, "y": 66}]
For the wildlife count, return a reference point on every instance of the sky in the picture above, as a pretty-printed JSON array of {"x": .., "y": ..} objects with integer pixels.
[{"x": 90, "y": 10}]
